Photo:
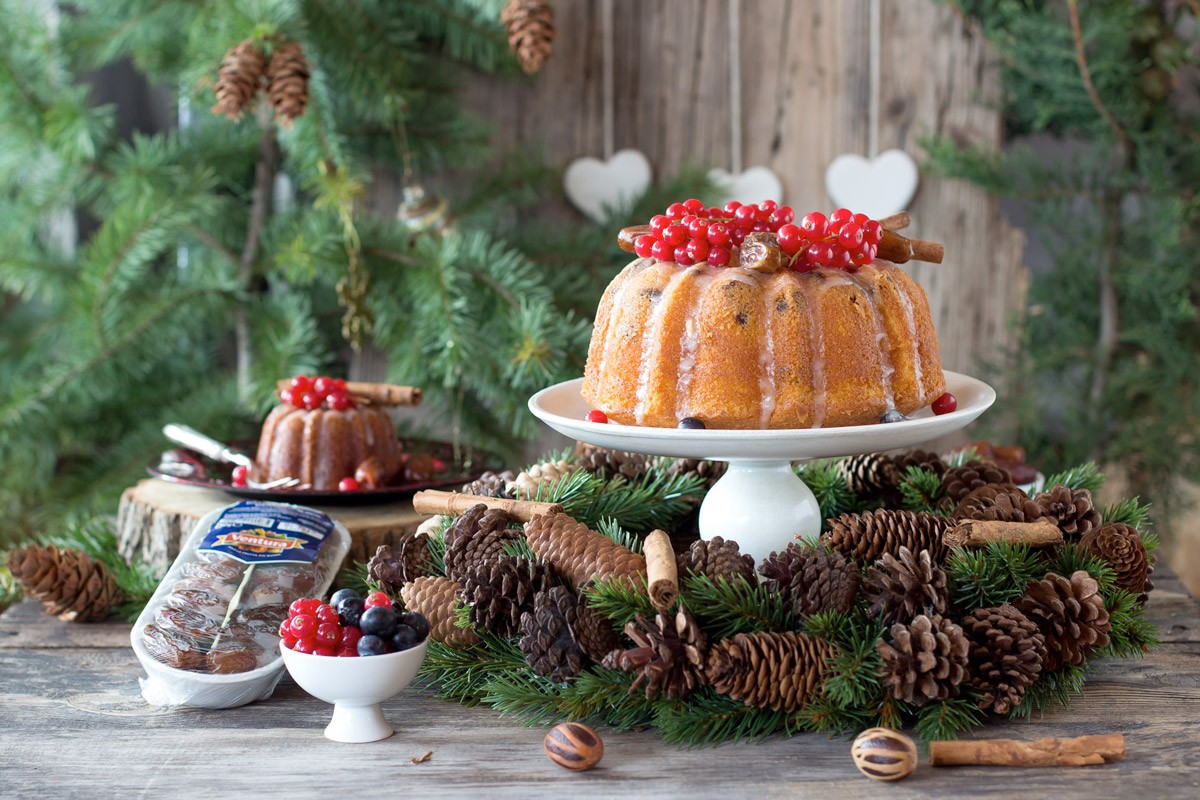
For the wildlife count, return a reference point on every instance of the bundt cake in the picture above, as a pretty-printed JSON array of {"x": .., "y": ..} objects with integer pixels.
[
  {"x": 327, "y": 439},
  {"x": 776, "y": 340}
]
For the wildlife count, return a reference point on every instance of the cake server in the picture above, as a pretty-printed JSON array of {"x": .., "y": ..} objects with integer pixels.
[{"x": 219, "y": 451}]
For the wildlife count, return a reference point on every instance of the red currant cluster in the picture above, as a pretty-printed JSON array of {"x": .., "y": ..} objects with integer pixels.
[
  {"x": 843, "y": 240},
  {"x": 318, "y": 392},
  {"x": 350, "y": 626},
  {"x": 688, "y": 233}
]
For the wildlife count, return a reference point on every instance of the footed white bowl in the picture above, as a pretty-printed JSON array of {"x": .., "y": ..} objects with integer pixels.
[{"x": 356, "y": 687}]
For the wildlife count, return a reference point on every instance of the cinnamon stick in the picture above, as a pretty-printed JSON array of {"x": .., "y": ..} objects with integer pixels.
[
  {"x": 662, "y": 576},
  {"x": 980, "y": 533},
  {"x": 1081, "y": 751},
  {"x": 628, "y": 236},
  {"x": 896, "y": 222},
  {"x": 380, "y": 394},
  {"x": 431, "y": 501},
  {"x": 900, "y": 249}
]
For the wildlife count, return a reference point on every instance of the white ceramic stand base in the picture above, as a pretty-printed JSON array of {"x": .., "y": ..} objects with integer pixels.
[
  {"x": 760, "y": 503},
  {"x": 357, "y": 724}
]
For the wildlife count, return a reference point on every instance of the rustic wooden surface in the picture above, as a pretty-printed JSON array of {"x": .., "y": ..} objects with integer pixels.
[
  {"x": 156, "y": 515},
  {"x": 74, "y": 724}
]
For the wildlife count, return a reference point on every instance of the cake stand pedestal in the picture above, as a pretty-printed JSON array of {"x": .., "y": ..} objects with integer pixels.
[{"x": 760, "y": 502}]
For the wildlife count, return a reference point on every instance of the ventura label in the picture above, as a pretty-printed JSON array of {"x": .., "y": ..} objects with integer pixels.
[{"x": 254, "y": 532}]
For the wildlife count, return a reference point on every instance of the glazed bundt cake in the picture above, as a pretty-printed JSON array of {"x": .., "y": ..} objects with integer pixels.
[
  {"x": 322, "y": 442},
  {"x": 775, "y": 340}
]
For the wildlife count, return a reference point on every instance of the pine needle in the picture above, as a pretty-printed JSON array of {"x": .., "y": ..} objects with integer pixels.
[
  {"x": 725, "y": 608},
  {"x": 1130, "y": 511},
  {"x": 829, "y": 485},
  {"x": 993, "y": 575},
  {"x": 619, "y": 602},
  {"x": 1085, "y": 476},
  {"x": 707, "y": 718},
  {"x": 943, "y": 720},
  {"x": 94, "y": 537},
  {"x": 919, "y": 489},
  {"x": 1050, "y": 690}
]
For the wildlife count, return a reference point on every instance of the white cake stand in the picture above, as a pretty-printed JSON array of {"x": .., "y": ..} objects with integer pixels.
[{"x": 760, "y": 502}]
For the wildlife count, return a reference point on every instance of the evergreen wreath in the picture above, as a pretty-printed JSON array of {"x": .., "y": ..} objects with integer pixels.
[{"x": 845, "y": 671}]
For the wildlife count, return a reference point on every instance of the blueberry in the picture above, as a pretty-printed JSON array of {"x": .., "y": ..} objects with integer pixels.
[
  {"x": 371, "y": 646},
  {"x": 340, "y": 595},
  {"x": 350, "y": 611},
  {"x": 417, "y": 622},
  {"x": 892, "y": 415},
  {"x": 691, "y": 424},
  {"x": 404, "y": 638},
  {"x": 379, "y": 621}
]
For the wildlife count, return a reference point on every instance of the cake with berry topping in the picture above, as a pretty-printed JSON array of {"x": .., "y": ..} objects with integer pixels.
[
  {"x": 321, "y": 435},
  {"x": 738, "y": 318}
]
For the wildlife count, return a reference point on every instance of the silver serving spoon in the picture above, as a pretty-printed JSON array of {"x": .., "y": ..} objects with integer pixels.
[{"x": 193, "y": 439}]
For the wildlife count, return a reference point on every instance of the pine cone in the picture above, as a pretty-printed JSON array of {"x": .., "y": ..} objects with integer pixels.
[
  {"x": 1007, "y": 653},
  {"x": 926, "y": 659},
  {"x": 779, "y": 671},
  {"x": 530, "y": 26},
  {"x": 669, "y": 654},
  {"x": 1072, "y": 508},
  {"x": 547, "y": 635},
  {"x": 580, "y": 554},
  {"x": 287, "y": 82},
  {"x": 813, "y": 579},
  {"x": 1121, "y": 547},
  {"x": 539, "y": 477},
  {"x": 709, "y": 471},
  {"x": 500, "y": 590},
  {"x": 605, "y": 463},
  {"x": 401, "y": 562},
  {"x": 476, "y": 539},
  {"x": 901, "y": 588},
  {"x": 1069, "y": 613},
  {"x": 1005, "y": 502},
  {"x": 918, "y": 458},
  {"x": 71, "y": 585},
  {"x": 437, "y": 599},
  {"x": 490, "y": 484},
  {"x": 239, "y": 78},
  {"x": 959, "y": 482},
  {"x": 879, "y": 476},
  {"x": 865, "y": 537},
  {"x": 716, "y": 558}
]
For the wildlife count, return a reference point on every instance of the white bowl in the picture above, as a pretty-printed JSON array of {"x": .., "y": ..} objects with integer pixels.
[{"x": 356, "y": 687}]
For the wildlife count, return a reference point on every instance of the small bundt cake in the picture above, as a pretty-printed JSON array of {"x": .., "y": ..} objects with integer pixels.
[
  {"x": 779, "y": 342},
  {"x": 322, "y": 445}
]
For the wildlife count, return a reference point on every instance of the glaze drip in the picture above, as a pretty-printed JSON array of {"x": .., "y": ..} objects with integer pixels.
[
  {"x": 911, "y": 318},
  {"x": 652, "y": 342},
  {"x": 886, "y": 369}
]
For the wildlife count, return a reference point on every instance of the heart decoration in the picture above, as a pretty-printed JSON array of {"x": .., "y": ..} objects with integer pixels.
[
  {"x": 749, "y": 186},
  {"x": 878, "y": 187},
  {"x": 604, "y": 189}
]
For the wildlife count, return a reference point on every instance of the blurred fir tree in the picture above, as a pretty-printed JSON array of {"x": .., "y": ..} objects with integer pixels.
[
  {"x": 1108, "y": 364},
  {"x": 194, "y": 291}
]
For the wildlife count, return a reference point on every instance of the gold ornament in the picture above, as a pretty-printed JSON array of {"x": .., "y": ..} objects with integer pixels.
[{"x": 420, "y": 212}]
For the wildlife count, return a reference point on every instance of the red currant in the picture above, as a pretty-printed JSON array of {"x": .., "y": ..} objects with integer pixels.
[
  {"x": 676, "y": 210},
  {"x": 303, "y": 626},
  {"x": 350, "y": 636},
  {"x": 596, "y": 415},
  {"x": 697, "y": 250},
  {"x": 737, "y": 236},
  {"x": 326, "y": 613},
  {"x": 682, "y": 258},
  {"x": 329, "y": 633},
  {"x": 860, "y": 219},
  {"x": 698, "y": 228},
  {"x": 746, "y": 216},
  {"x": 850, "y": 236},
  {"x": 841, "y": 258},
  {"x": 659, "y": 223},
  {"x": 731, "y": 207},
  {"x": 839, "y": 218},
  {"x": 872, "y": 232},
  {"x": 761, "y": 227},
  {"x": 945, "y": 404},
  {"x": 791, "y": 239},
  {"x": 339, "y": 402},
  {"x": 347, "y": 652},
  {"x": 239, "y": 475},
  {"x": 348, "y": 485},
  {"x": 644, "y": 246},
  {"x": 304, "y": 605},
  {"x": 337, "y": 385},
  {"x": 718, "y": 255},
  {"x": 861, "y": 256},
  {"x": 377, "y": 599},
  {"x": 661, "y": 251},
  {"x": 801, "y": 264},
  {"x": 693, "y": 205},
  {"x": 718, "y": 233},
  {"x": 781, "y": 217},
  {"x": 325, "y": 650},
  {"x": 815, "y": 226},
  {"x": 285, "y": 630},
  {"x": 322, "y": 385},
  {"x": 714, "y": 213},
  {"x": 819, "y": 253},
  {"x": 308, "y": 646},
  {"x": 311, "y": 400},
  {"x": 766, "y": 208},
  {"x": 676, "y": 235},
  {"x": 688, "y": 219},
  {"x": 295, "y": 397},
  {"x": 302, "y": 382}
]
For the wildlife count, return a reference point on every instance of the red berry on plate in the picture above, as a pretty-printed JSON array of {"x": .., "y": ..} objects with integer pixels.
[
  {"x": 661, "y": 251},
  {"x": 304, "y": 626},
  {"x": 688, "y": 219},
  {"x": 239, "y": 475},
  {"x": 326, "y": 613},
  {"x": 659, "y": 223},
  {"x": 305, "y": 605},
  {"x": 731, "y": 207},
  {"x": 815, "y": 226},
  {"x": 676, "y": 210},
  {"x": 945, "y": 404},
  {"x": 308, "y": 646},
  {"x": 329, "y": 633},
  {"x": 697, "y": 250},
  {"x": 644, "y": 246},
  {"x": 348, "y": 485},
  {"x": 791, "y": 239},
  {"x": 718, "y": 233},
  {"x": 596, "y": 415},
  {"x": 693, "y": 205},
  {"x": 676, "y": 235},
  {"x": 377, "y": 599},
  {"x": 718, "y": 255}
]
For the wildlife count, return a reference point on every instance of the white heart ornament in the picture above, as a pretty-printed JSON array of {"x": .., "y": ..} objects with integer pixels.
[
  {"x": 878, "y": 187},
  {"x": 604, "y": 189},
  {"x": 749, "y": 186}
]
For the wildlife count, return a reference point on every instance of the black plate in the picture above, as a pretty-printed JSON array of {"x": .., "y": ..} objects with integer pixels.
[{"x": 216, "y": 475}]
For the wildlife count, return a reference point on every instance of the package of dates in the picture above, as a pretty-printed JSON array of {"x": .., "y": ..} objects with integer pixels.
[{"x": 209, "y": 637}]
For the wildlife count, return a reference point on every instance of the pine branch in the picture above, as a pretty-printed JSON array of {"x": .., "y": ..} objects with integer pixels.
[
  {"x": 1051, "y": 689},
  {"x": 94, "y": 536},
  {"x": 993, "y": 575},
  {"x": 1085, "y": 476},
  {"x": 619, "y": 602},
  {"x": 725, "y": 608},
  {"x": 612, "y": 529},
  {"x": 1070, "y": 558},
  {"x": 919, "y": 490},
  {"x": 707, "y": 718},
  {"x": 942, "y": 720},
  {"x": 1130, "y": 633},
  {"x": 829, "y": 485},
  {"x": 1130, "y": 511}
]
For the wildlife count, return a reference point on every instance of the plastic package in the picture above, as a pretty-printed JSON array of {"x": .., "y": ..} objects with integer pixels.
[{"x": 209, "y": 637}]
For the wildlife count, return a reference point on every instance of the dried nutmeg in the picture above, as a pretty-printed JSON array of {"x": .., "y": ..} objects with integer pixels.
[
  {"x": 574, "y": 746},
  {"x": 760, "y": 252},
  {"x": 884, "y": 755}
]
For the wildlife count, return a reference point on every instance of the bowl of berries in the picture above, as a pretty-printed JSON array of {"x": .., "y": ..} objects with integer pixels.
[{"x": 355, "y": 653}]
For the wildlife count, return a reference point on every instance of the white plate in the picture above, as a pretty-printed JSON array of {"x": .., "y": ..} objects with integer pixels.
[{"x": 562, "y": 408}]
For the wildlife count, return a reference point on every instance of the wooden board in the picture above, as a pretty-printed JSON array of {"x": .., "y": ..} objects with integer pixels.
[
  {"x": 75, "y": 725},
  {"x": 156, "y": 515}
]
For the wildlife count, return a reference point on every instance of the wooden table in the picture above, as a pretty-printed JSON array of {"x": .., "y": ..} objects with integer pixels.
[{"x": 73, "y": 724}]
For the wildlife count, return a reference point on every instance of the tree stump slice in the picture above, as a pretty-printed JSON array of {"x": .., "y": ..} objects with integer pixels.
[{"x": 155, "y": 516}]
